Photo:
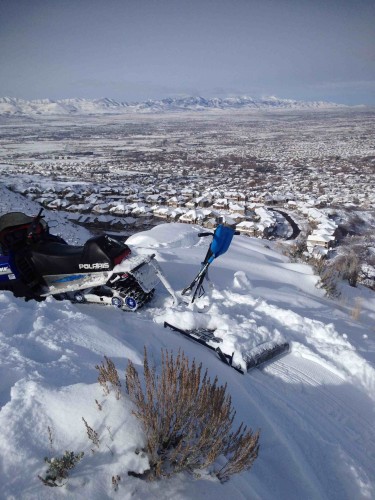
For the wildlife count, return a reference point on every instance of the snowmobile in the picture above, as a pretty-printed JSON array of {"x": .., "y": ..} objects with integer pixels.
[{"x": 35, "y": 264}]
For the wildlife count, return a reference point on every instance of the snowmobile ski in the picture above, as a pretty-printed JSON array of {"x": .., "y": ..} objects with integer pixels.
[
  {"x": 206, "y": 338},
  {"x": 254, "y": 358},
  {"x": 264, "y": 353}
]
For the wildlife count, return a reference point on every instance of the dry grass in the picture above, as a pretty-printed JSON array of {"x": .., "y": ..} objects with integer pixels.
[
  {"x": 115, "y": 482},
  {"x": 108, "y": 376},
  {"x": 92, "y": 434},
  {"x": 357, "y": 309}
]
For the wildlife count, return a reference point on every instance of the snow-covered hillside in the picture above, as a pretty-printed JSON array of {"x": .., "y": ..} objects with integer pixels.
[
  {"x": 10, "y": 106},
  {"x": 315, "y": 406}
]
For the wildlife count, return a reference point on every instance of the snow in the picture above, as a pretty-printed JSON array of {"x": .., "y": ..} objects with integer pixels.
[{"x": 315, "y": 406}]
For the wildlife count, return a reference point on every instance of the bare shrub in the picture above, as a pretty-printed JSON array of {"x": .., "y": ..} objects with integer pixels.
[
  {"x": 328, "y": 275},
  {"x": 348, "y": 267},
  {"x": 187, "y": 419},
  {"x": 59, "y": 468},
  {"x": 108, "y": 375},
  {"x": 363, "y": 249},
  {"x": 297, "y": 249},
  {"x": 354, "y": 225},
  {"x": 312, "y": 225}
]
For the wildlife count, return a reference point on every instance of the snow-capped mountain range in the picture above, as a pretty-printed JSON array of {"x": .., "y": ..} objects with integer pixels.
[{"x": 10, "y": 106}]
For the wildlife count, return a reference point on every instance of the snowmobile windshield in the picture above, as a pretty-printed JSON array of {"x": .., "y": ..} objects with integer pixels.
[
  {"x": 15, "y": 229},
  {"x": 13, "y": 219}
]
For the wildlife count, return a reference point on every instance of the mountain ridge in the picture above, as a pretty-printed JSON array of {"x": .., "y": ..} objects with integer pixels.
[{"x": 12, "y": 106}]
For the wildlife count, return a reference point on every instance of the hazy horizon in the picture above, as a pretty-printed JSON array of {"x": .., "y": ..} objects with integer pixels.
[{"x": 132, "y": 50}]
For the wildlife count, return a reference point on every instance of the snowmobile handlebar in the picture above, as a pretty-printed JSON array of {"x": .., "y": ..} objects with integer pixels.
[
  {"x": 34, "y": 225},
  {"x": 200, "y": 235}
]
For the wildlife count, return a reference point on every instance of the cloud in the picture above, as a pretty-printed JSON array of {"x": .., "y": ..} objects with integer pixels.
[
  {"x": 119, "y": 89},
  {"x": 362, "y": 85}
]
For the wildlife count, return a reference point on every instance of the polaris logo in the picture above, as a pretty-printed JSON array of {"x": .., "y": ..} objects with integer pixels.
[{"x": 98, "y": 265}]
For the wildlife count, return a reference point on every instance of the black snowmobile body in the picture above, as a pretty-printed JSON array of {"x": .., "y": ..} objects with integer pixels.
[{"x": 35, "y": 264}]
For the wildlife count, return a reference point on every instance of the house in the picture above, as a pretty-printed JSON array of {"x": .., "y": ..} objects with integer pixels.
[
  {"x": 81, "y": 208},
  {"x": 237, "y": 208},
  {"x": 175, "y": 201},
  {"x": 101, "y": 208},
  {"x": 203, "y": 201},
  {"x": 130, "y": 221},
  {"x": 103, "y": 220},
  {"x": 117, "y": 224},
  {"x": 119, "y": 209},
  {"x": 291, "y": 204},
  {"x": 314, "y": 214},
  {"x": 191, "y": 204},
  {"x": 151, "y": 190},
  {"x": 58, "y": 204},
  {"x": 210, "y": 223},
  {"x": 246, "y": 227},
  {"x": 235, "y": 196},
  {"x": 153, "y": 198},
  {"x": 319, "y": 238},
  {"x": 84, "y": 219},
  {"x": 267, "y": 221},
  {"x": 220, "y": 204},
  {"x": 189, "y": 217},
  {"x": 238, "y": 217},
  {"x": 136, "y": 197},
  {"x": 140, "y": 209},
  {"x": 44, "y": 201},
  {"x": 161, "y": 212},
  {"x": 187, "y": 194},
  {"x": 226, "y": 219},
  {"x": 72, "y": 196},
  {"x": 174, "y": 215}
]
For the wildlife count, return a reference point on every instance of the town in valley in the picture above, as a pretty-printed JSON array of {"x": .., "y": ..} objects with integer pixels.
[{"x": 282, "y": 174}]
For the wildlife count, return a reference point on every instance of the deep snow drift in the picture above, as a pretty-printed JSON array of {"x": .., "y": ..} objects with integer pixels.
[{"x": 315, "y": 406}]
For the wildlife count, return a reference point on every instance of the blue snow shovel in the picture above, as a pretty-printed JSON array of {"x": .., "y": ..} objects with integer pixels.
[{"x": 222, "y": 238}]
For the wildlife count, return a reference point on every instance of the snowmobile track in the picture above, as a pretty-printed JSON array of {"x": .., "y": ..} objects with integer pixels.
[{"x": 321, "y": 388}]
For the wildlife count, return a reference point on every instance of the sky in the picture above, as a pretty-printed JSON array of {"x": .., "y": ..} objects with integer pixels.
[{"x": 133, "y": 50}]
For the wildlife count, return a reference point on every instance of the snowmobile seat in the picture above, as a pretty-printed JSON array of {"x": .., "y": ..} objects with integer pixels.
[
  {"x": 53, "y": 257},
  {"x": 104, "y": 249},
  {"x": 58, "y": 249},
  {"x": 100, "y": 253}
]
